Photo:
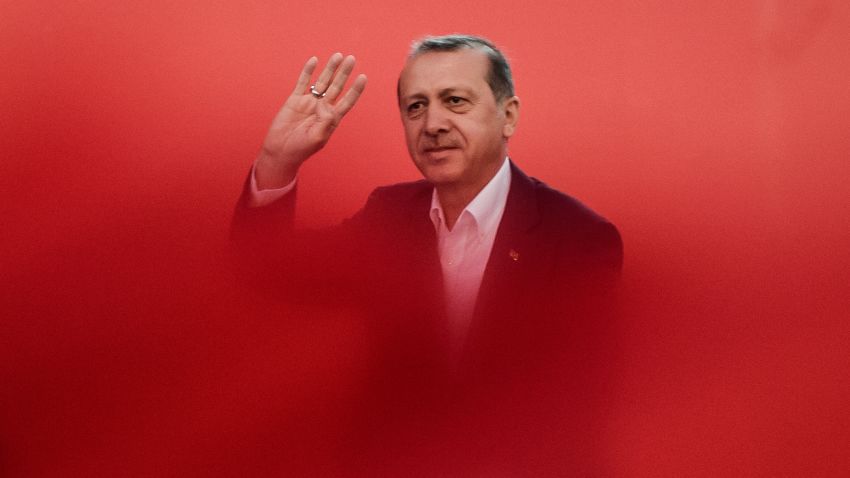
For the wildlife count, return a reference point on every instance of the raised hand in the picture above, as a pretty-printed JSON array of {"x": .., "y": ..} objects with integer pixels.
[{"x": 306, "y": 121}]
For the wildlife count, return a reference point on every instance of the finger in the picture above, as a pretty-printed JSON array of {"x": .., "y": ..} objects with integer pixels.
[
  {"x": 350, "y": 98},
  {"x": 304, "y": 77},
  {"x": 325, "y": 77},
  {"x": 339, "y": 78}
]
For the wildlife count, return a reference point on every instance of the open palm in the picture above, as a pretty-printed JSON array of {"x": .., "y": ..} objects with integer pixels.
[{"x": 306, "y": 121}]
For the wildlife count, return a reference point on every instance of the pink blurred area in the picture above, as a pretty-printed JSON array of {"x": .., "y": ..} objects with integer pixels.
[{"x": 713, "y": 134}]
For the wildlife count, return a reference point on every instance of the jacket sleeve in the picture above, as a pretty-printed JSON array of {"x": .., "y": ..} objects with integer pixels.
[
  {"x": 262, "y": 226},
  {"x": 271, "y": 256}
]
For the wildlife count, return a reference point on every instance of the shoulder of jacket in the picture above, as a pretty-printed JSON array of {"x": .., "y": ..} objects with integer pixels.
[
  {"x": 592, "y": 233},
  {"x": 562, "y": 207},
  {"x": 411, "y": 189},
  {"x": 400, "y": 193}
]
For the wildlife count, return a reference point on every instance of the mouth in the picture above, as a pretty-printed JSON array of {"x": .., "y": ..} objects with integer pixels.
[
  {"x": 437, "y": 155},
  {"x": 437, "y": 149}
]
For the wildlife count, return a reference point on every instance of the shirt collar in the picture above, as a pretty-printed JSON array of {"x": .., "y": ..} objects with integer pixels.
[{"x": 486, "y": 208}]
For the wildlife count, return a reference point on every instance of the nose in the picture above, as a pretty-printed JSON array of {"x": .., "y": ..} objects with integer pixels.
[{"x": 436, "y": 121}]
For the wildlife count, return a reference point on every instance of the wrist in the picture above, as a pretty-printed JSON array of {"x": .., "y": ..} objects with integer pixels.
[{"x": 272, "y": 172}]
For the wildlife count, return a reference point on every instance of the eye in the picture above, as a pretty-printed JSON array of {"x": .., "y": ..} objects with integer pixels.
[
  {"x": 415, "y": 107},
  {"x": 458, "y": 104}
]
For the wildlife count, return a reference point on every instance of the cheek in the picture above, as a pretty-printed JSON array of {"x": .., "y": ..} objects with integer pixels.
[
  {"x": 410, "y": 136},
  {"x": 411, "y": 129},
  {"x": 477, "y": 135}
]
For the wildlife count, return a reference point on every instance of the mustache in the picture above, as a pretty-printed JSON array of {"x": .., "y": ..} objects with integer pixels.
[{"x": 440, "y": 143}]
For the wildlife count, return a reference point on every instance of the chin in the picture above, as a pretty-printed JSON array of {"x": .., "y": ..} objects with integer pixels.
[{"x": 441, "y": 174}]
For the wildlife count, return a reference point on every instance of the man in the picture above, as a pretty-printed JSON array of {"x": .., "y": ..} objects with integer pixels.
[
  {"x": 506, "y": 245},
  {"x": 477, "y": 272},
  {"x": 458, "y": 107}
]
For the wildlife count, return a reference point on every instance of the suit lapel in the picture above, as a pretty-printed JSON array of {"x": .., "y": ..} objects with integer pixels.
[
  {"x": 510, "y": 253},
  {"x": 511, "y": 267}
]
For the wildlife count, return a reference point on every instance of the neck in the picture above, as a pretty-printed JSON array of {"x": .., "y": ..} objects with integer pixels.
[
  {"x": 454, "y": 197},
  {"x": 453, "y": 202}
]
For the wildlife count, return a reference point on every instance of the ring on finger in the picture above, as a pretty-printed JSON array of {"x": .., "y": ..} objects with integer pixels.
[{"x": 315, "y": 92}]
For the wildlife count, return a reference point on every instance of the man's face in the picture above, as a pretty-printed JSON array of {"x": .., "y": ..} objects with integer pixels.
[{"x": 456, "y": 131}]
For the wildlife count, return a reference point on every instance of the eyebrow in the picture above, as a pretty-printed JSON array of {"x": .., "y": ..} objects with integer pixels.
[
  {"x": 457, "y": 90},
  {"x": 442, "y": 93}
]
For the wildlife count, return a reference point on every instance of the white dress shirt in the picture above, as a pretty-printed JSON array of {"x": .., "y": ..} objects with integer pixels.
[{"x": 463, "y": 250}]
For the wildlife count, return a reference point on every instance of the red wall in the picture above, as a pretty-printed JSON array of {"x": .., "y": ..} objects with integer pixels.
[{"x": 714, "y": 134}]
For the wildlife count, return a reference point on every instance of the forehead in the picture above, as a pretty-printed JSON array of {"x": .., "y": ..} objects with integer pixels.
[{"x": 440, "y": 70}]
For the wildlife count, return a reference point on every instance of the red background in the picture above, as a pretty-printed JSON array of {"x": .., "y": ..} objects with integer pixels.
[{"x": 714, "y": 134}]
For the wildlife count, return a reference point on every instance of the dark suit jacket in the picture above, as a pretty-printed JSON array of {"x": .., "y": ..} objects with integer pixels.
[
  {"x": 552, "y": 256},
  {"x": 540, "y": 337}
]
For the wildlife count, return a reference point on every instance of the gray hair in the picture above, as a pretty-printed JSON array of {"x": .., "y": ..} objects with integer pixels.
[{"x": 499, "y": 77}]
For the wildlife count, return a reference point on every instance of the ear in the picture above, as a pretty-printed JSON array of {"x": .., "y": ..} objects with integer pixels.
[{"x": 510, "y": 108}]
